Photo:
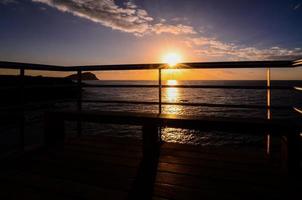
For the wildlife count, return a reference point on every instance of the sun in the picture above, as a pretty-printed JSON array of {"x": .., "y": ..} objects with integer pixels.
[{"x": 172, "y": 59}]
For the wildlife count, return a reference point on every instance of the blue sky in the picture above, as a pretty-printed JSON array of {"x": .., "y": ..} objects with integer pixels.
[{"x": 79, "y": 32}]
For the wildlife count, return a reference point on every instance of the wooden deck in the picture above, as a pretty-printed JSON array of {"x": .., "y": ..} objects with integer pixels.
[{"x": 97, "y": 167}]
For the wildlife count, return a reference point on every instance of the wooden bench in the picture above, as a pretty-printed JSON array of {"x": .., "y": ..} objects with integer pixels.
[{"x": 288, "y": 129}]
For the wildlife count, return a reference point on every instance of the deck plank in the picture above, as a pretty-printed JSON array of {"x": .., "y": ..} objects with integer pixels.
[
  {"x": 98, "y": 167},
  {"x": 62, "y": 187}
]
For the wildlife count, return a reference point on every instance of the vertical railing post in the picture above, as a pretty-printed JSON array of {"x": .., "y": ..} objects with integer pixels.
[
  {"x": 22, "y": 111},
  {"x": 79, "y": 101},
  {"x": 159, "y": 91},
  {"x": 268, "y": 84},
  {"x": 268, "y": 108},
  {"x": 159, "y": 101}
]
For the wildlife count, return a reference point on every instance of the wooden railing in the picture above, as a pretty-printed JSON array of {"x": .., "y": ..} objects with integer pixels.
[
  {"x": 22, "y": 67},
  {"x": 159, "y": 66}
]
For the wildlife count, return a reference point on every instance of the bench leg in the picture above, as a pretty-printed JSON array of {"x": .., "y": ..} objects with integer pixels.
[
  {"x": 151, "y": 141},
  {"x": 293, "y": 147},
  {"x": 54, "y": 134},
  {"x": 291, "y": 154},
  {"x": 144, "y": 183}
]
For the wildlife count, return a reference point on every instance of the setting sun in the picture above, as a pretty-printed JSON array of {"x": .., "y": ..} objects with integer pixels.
[{"x": 172, "y": 59}]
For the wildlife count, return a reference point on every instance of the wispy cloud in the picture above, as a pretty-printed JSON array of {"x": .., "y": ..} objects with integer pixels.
[
  {"x": 7, "y": 1},
  {"x": 127, "y": 18},
  {"x": 297, "y": 6},
  {"x": 213, "y": 48},
  {"x": 106, "y": 12},
  {"x": 173, "y": 29}
]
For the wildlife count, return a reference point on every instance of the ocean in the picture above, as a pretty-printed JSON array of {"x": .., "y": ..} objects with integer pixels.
[
  {"x": 34, "y": 113},
  {"x": 193, "y": 95}
]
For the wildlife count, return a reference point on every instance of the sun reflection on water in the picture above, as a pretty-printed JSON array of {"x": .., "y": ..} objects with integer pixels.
[{"x": 172, "y": 95}]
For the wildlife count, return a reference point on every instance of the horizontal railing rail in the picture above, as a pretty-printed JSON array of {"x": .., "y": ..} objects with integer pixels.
[
  {"x": 299, "y": 110},
  {"x": 32, "y": 86},
  {"x": 190, "y": 104},
  {"x": 32, "y": 66},
  {"x": 191, "y": 65},
  {"x": 298, "y": 88},
  {"x": 193, "y": 86},
  {"x": 44, "y": 86}
]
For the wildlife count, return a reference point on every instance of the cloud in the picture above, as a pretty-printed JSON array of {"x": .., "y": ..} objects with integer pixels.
[
  {"x": 106, "y": 12},
  {"x": 213, "y": 48},
  {"x": 127, "y": 18},
  {"x": 207, "y": 42},
  {"x": 7, "y": 1},
  {"x": 297, "y": 6},
  {"x": 173, "y": 29}
]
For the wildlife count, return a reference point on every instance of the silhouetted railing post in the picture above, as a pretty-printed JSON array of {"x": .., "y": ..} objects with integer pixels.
[
  {"x": 79, "y": 101},
  {"x": 268, "y": 109},
  {"x": 22, "y": 112},
  {"x": 159, "y": 100},
  {"x": 268, "y": 84},
  {"x": 159, "y": 91}
]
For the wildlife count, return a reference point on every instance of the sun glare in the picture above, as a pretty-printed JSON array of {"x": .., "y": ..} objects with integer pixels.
[
  {"x": 172, "y": 82},
  {"x": 172, "y": 59}
]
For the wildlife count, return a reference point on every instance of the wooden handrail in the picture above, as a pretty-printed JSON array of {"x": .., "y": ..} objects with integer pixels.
[
  {"x": 191, "y": 65},
  {"x": 191, "y": 86},
  {"x": 217, "y": 105}
]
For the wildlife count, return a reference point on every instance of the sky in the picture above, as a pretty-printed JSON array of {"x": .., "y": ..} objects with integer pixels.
[{"x": 82, "y": 32}]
